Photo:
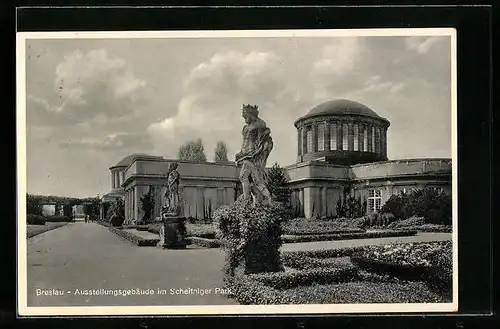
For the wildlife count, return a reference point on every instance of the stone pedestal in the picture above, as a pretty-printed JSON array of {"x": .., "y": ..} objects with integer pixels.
[{"x": 172, "y": 233}]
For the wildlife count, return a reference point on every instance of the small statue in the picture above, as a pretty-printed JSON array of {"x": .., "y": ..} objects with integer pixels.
[
  {"x": 257, "y": 144},
  {"x": 171, "y": 207}
]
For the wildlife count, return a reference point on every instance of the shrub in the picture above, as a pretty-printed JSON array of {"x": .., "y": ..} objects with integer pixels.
[
  {"x": 386, "y": 219},
  {"x": 395, "y": 206},
  {"x": 148, "y": 206},
  {"x": 117, "y": 215},
  {"x": 429, "y": 203},
  {"x": 251, "y": 235},
  {"x": 277, "y": 184},
  {"x": 58, "y": 219},
  {"x": 410, "y": 222},
  {"x": 33, "y": 219}
]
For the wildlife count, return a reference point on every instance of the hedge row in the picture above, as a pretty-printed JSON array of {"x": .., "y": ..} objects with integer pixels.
[
  {"x": 431, "y": 228},
  {"x": 59, "y": 219},
  {"x": 32, "y": 219},
  {"x": 203, "y": 242},
  {"x": 290, "y": 279},
  {"x": 141, "y": 242},
  {"x": 319, "y": 230},
  {"x": 300, "y": 262},
  {"x": 346, "y": 236},
  {"x": 247, "y": 291}
]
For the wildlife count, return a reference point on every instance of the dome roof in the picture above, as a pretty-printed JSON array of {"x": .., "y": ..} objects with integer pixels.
[
  {"x": 341, "y": 107},
  {"x": 126, "y": 161}
]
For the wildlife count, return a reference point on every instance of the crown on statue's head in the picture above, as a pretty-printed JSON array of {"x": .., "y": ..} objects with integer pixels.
[{"x": 247, "y": 107}]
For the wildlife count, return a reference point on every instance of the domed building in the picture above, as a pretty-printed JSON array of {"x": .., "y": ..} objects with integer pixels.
[
  {"x": 342, "y": 132},
  {"x": 341, "y": 154}
]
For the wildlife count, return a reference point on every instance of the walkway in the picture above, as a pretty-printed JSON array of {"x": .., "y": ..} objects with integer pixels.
[{"x": 88, "y": 256}]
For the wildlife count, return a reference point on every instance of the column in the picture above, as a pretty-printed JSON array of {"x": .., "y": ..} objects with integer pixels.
[
  {"x": 304, "y": 140},
  {"x": 350, "y": 134},
  {"x": 299, "y": 141},
  {"x": 112, "y": 180},
  {"x": 122, "y": 176},
  {"x": 339, "y": 135},
  {"x": 324, "y": 202},
  {"x": 308, "y": 211},
  {"x": 384, "y": 141},
  {"x": 315, "y": 137},
  {"x": 360, "y": 137},
  {"x": 125, "y": 203},
  {"x": 301, "y": 202},
  {"x": 370, "y": 127},
  {"x": 327, "y": 136}
]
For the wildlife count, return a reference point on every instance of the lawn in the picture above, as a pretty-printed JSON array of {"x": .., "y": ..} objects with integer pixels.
[{"x": 32, "y": 230}]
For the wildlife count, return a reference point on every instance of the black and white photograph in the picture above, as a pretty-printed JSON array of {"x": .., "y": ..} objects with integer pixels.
[{"x": 237, "y": 172}]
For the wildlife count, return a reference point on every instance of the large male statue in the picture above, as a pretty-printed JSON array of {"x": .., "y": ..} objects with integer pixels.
[{"x": 257, "y": 144}]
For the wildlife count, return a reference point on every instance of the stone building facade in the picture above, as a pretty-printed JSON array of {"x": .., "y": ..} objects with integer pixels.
[{"x": 341, "y": 151}]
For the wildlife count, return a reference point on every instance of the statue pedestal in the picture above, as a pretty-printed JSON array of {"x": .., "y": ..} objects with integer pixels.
[{"x": 172, "y": 233}]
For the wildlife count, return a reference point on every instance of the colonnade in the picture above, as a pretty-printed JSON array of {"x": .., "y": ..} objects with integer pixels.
[
  {"x": 117, "y": 179},
  {"x": 330, "y": 135}
]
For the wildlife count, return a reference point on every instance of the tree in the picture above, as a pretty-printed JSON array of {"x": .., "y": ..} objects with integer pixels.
[
  {"x": 33, "y": 204},
  {"x": 277, "y": 184},
  {"x": 220, "y": 153},
  {"x": 193, "y": 151}
]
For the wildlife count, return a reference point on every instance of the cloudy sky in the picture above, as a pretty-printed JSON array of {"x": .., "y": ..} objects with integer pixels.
[{"x": 91, "y": 102}]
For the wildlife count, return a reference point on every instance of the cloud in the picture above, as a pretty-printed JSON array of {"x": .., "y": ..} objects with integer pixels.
[
  {"x": 111, "y": 142},
  {"x": 422, "y": 45},
  {"x": 340, "y": 57},
  {"x": 87, "y": 85},
  {"x": 214, "y": 92}
]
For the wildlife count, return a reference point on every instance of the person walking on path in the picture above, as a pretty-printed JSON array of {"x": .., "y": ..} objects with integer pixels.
[{"x": 86, "y": 218}]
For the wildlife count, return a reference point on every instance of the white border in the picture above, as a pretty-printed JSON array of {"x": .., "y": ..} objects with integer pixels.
[{"x": 24, "y": 310}]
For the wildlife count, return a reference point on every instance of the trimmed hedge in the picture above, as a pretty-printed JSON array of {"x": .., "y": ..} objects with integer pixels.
[
  {"x": 59, "y": 219},
  {"x": 430, "y": 228},
  {"x": 319, "y": 230},
  {"x": 203, "y": 242},
  {"x": 300, "y": 262},
  {"x": 32, "y": 219},
  {"x": 141, "y": 242},
  {"x": 290, "y": 279},
  {"x": 346, "y": 236}
]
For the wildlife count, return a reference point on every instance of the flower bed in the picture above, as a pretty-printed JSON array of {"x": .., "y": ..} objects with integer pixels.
[
  {"x": 290, "y": 230},
  {"x": 203, "y": 242},
  {"x": 431, "y": 228},
  {"x": 141, "y": 242},
  {"x": 346, "y": 236},
  {"x": 431, "y": 262},
  {"x": 410, "y": 222}
]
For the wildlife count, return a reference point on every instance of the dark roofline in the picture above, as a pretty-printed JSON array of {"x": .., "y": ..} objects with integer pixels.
[{"x": 333, "y": 115}]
